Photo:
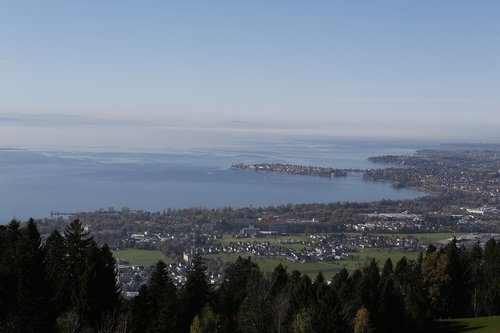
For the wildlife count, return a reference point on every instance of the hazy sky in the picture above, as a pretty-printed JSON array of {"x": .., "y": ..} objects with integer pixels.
[{"x": 412, "y": 68}]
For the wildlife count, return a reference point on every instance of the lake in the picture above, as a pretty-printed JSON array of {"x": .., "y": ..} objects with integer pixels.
[{"x": 35, "y": 182}]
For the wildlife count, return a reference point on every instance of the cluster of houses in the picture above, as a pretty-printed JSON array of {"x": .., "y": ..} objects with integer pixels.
[
  {"x": 252, "y": 240},
  {"x": 389, "y": 222},
  {"x": 292, "y": 169},
  {"x": 132, "y": 277},
  {"x": 316, "y": 248},
  {"x": 274, "y": 230},
  {"x": 469, "y": 240},
  {"x": 145, "y": 240}
]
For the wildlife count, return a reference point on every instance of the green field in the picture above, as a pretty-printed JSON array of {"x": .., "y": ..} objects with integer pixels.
[
  {"x": 363, "y": 257},
  {"x": 268, "y": 264},
  {"x": 140, "y": 257},
  {"x": 473, "y": 325}
]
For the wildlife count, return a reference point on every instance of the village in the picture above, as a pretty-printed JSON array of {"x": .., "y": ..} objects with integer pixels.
[{"x": 252, "y": 241}]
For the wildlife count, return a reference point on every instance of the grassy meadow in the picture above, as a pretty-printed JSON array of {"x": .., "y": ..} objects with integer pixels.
[
  {"x": 472, "y": 325},
  {"x": 141, "y": 257},
  {"x": 267, "y": 264}
]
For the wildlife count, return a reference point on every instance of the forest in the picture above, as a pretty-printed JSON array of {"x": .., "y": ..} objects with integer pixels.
[{"x": 68, "y": 284}]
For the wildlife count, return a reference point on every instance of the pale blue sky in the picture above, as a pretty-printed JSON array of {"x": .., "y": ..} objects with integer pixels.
[{"x": 429, "y": 68}]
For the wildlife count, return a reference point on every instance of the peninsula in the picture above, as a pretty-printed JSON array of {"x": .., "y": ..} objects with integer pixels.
[{"x": 292, "y": 169}]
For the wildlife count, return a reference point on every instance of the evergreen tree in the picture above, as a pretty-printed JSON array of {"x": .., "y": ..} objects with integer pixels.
[
  {"x": 8, "y": 276},
  {"x": 196, "y": 292},
  {"x": 55, "y": 256},
  {"x": 368, "y": 291},
  {"x": 491, "y": 291},
  {"x": 387, "y": 271},
  {"x": 156, "y": 309},
  {"x": 436, "y": 280},
  {"x": 77, "y": 240},
  {"x": 391, "y": 314},
  {"x": 300, "y": 292},
  {"x": 456, "y": 292},
  {"x": 408, "y": 283},
  {"x": 344, "y": 286},
  {"x": 255, "y": 313},
  {"x": 279, "y": 278},
  {"x": 162, "y": 295},
  {"x": 280, "y": 299},
  {"x": 23, "y": 280},
  {"x": 326, "y": 309},
  {"x": 99, "y": 298},
  {"x": 233, "y": 290},
  {"x": 32, "y": 299},
  {"x": 475, "y": 278}
]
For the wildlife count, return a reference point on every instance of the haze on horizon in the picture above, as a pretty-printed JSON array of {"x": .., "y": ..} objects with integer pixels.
[{"x": 98, "y": 72}]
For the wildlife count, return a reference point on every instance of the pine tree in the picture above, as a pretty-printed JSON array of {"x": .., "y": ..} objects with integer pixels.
[
  {"x": 76, "y": 241},
  {"x": 300, "y": 291},
  {"x": 196, "y": 293},
  {"x": 475, "y": 278},
  {"x": 368, "y": 290},
  {"x": 55, "y": 256},
  {"x": 162, "y": 301},
  {"x": 23, "y": 280},
  {"x": 255, "y": 314},
  {"x": 8, "y": 276},
  {"x": 32, "y": 299},
  {"x": 456, "y": 293},
  {"x": 391, "y": 314},
  {"x": 345, "y": 287},
  {"x": 233, "y": 290},
  {"x": 99, "y": 297},
  {"x": 491, "y": 290}
]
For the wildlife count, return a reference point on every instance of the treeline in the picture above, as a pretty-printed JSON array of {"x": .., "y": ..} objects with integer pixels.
[
  {"x": 448, "y": 283},
  {"x": 113, "y": 226},
  {"x": 68, "y": 284}
]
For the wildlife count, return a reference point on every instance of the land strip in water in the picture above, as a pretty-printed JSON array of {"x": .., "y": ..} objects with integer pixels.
[{"x": 292, "y": 169}]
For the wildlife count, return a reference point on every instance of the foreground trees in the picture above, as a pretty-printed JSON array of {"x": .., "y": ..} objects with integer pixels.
[
  {"x": 405, "y": 297},
  {"x": 23, "y": 289},
  {"x": 69, "y": 284}
]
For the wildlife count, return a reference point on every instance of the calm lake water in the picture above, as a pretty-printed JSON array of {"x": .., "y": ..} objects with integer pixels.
[{"x": 35, "y": 182}]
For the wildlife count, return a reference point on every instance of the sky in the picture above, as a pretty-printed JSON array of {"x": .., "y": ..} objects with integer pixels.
[{"x": 399, "y": 69}]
